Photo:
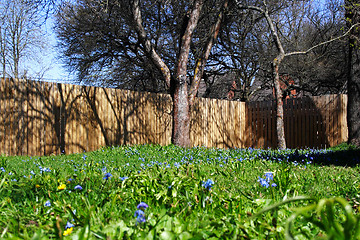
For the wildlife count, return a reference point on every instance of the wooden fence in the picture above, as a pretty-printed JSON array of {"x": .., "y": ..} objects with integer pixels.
[
  {"x": 315, "y": 122},
  {"x": 38, "y": 118}
]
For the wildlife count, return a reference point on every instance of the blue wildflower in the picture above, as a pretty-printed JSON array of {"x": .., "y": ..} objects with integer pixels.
[
  {"x": 123, "y": 178},
  {"x": 269, "y": 176},
  {"x": 142, "y": 205},
  {"x": 69, "y": 225},
  {"x": 78, "y": 187},
  {"x": 47, "y": 203},
  {"x": 107, "y": 176},
  {"x": 140, "y": 216},
  {"x": 263, "y": 182},
  {"x": 2, "y": 169},
  {"x": 208, "y": 184},
  {"x": 273, "y": 185}
]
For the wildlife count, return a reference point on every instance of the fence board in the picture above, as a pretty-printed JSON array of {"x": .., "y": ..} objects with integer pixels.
[
  {"x": 287, "y": 121},
  {"x": 343, "y": 120}
]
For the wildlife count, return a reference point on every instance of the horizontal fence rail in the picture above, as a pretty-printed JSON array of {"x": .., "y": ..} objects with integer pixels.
[{"x": 40, "y": 118}]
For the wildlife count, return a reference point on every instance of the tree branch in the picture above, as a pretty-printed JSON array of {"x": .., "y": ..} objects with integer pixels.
[
  {"x": 323, "y": 43},
  {"x": 148, "y": 47},
  {"x": 265, "y": 12},
  {"x": 201, "y": 62},
  {"x": 185, "y": 40}
]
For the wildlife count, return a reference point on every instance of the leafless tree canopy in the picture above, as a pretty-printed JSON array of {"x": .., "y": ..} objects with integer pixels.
[
  {"x": 100, "y": 43},
  {"x": 20, "y": 36}
]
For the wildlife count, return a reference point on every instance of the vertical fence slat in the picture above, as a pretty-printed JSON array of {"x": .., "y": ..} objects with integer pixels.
[
  {"x": 41, "y": 118},
  {"x": 305, "y": 106},
  {"x": 4, "y": 115},
  {"x": 253, "y": 125},
  {"x": 343, "y": 120},
  {"x": 11, "y": 118}
]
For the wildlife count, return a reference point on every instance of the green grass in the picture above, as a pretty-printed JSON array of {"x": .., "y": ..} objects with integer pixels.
[{"x": 316, "y": 194}]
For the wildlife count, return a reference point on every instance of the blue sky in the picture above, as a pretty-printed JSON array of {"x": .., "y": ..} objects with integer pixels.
[{"x": 49, "y": 60}]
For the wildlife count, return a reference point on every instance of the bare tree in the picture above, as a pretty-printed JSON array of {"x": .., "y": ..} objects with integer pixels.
[
  {"x": 20, "y": 35},
  {"x": 237, "y": 57},
  {"x": 240, "y": 66},
  {"x": 172, "y": 38},
  {"x": 277, "y": 61},
  {"x": 3, "y": 34},
  {"x": 353, "y": 86}
]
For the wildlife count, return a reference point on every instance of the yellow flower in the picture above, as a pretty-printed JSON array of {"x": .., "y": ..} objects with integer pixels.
[
  {"x": 37, "y": 185},
  {"x": 62, "y": 187},
  {"x": 68, "y": 231}
]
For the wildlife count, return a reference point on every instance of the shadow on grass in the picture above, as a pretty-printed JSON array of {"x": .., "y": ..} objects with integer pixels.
[{"x": 339, "y": 156}]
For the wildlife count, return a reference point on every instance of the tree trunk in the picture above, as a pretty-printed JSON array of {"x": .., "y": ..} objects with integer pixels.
[
  {"x": 353, "y": 86},
  {"x": 280, "y": 129},
  {"x": 178, "y": 85},
  {"x": 181, "y": 117}
]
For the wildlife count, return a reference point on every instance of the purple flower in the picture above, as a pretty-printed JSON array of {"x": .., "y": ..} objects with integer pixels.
[
  {"x": 140, "y": 216},
  {"x": 78, "y": 187},
  {"x": 208, "y": 184},
  {"x": 263, "y": 182},
  {"x": 269, "y": 176},
  {"x": 69, "y": 225},
  {"x": 107, "y": 176},
  {"x": 142, "y": 205}
]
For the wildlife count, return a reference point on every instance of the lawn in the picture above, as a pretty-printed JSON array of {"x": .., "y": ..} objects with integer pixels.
[{"x": 167, "y": 192}]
